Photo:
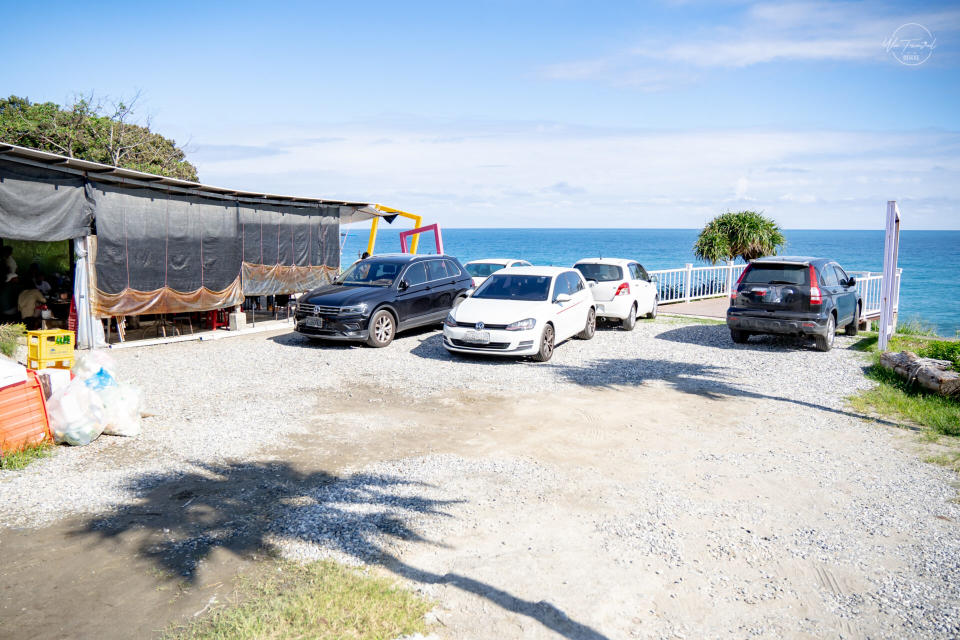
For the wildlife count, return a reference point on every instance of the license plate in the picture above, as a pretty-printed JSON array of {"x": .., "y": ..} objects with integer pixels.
[
  {"x": 313, "y": 321},
  {"x": 477, "y": 337}
]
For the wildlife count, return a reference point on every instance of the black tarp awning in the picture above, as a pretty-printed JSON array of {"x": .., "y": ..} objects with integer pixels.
[
  {"x": 41, "y": 204},
  {"x": 169, "y": 246}
]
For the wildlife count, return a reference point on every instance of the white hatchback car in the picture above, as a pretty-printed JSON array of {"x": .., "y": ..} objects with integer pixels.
[
  {"x": 480, "y": 270},
  {"x": 522, "y": 311},
  {"x": 622, "y": 289}
]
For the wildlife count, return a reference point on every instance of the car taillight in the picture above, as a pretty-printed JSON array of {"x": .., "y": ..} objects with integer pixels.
[
  {"x": 622, "y": 290},
  {"x": 733, "y": 292},
  {"x": 473, "y": 281},
  {"x": 815, "y": 296}
]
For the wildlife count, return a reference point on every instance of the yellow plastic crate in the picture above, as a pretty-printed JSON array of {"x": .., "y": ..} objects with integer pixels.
[
  {"x": 50, "y": 344},
  {"x": 50, "y": 363}
]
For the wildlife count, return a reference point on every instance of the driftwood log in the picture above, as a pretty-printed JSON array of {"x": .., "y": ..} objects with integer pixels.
[{"x": 932, "y": 375}]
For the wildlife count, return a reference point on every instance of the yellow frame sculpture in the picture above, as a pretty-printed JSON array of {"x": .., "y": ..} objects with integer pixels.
[{"x": 417, "y": 223}]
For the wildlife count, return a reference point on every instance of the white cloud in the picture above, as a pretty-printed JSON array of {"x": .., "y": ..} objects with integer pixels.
[
  {"x": 530, "y": 174},
  {"x": 766, "y": 32}
]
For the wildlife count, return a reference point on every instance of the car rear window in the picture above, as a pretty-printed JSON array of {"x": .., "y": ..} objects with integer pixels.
[
  {"x": 600, "y": 272},
  {"x": 514, "y": 287},
  {"x": 482, "y": 269},
  {"x": 777, "y": 274}
]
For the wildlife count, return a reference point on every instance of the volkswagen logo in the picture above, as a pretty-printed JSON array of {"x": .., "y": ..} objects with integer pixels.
[{"x": 479, "y": 326}]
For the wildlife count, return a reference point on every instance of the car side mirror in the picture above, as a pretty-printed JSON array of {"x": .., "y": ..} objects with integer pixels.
[
  {"x": 402, "y": 286},
  {"x": 562, "y": 297},
  {"x": 469, "y": 292},
  {"x": 592, "y": 283},
  {"x": 851, "y": 281}
]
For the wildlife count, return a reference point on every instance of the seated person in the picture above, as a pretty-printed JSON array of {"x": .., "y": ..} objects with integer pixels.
[
  {"x": 36, "y": 278},
  {"x": 8, "y": 299},
  {"x": 28, "y": 302}
]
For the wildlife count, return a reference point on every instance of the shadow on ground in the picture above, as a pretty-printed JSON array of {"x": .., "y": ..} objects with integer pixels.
[
  {"x": 241, "y": 507},
  {"x": 717, "y": 335},
  {"x": 705, "y": 380}
]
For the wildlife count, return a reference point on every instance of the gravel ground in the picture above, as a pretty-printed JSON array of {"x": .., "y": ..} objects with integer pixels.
[{"x": 704, "y": 554}]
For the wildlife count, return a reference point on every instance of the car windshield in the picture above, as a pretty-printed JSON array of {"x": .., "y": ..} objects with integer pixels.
[
  {"x": 369, "y": 273},
  {"x": 776, "y": 274},
  {"x": 482, "y": 269},
  {"x": 600, "y": 272},
  {"x": 514, "y": 287}
]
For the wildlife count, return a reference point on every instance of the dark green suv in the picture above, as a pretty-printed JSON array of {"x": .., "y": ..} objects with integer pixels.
[{"x": 794, "y": 295}]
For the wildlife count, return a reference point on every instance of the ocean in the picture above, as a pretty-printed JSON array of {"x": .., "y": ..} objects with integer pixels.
[{"x": 929, "y": 292}]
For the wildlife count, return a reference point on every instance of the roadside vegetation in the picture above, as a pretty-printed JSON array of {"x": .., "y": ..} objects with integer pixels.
[
  {"x": 17, "y": 460},
  {"x": 10, "y": 335},
  {"x": 894, "y": 398},
  {"x": 322, "y": 600}
]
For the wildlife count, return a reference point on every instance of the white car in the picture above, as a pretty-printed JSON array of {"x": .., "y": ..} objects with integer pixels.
[
  {"x": 480, "y": 270},
  {"x": 622, "y": 289},
  {"x": 522, "y": 311}
]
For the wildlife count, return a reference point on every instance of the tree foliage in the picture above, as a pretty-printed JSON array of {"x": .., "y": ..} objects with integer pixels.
[
  {"x": 88, "y": 130},
  {"x": 742, "y": 234}
]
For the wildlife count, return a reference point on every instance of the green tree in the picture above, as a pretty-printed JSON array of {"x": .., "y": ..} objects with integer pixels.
[
  {"x": 741, "y": 234},
  {"x": 88, "y": 130}
]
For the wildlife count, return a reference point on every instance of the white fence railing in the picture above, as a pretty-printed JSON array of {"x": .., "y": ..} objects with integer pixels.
[
  {"x": 871, "y": 291},
  {"x": 697, "y": 283}
]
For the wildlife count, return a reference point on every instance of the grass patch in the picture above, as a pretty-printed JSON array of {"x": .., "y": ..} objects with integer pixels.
[
  {"x": 894, "y": 398},
  {"x": 10, "y": 334},
  {"x": 949, "y": 460},
  {"x": 16, "y": 460},
  {"x": 322, "y": 600}
]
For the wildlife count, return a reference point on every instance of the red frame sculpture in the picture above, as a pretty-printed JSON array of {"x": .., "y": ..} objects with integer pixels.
[{"x": 412, "y": 232}]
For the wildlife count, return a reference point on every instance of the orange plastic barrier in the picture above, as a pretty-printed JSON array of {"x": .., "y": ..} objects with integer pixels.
[{"x": 23, "y": 415}]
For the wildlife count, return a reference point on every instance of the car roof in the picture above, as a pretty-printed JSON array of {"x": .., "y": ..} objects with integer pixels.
[
  {"x": 791, "y": 259},
  {"x": 406, "y": 257},
  {"x": 533, "y": 271},
  {"x": 496, "y": 261},
  {"x": 620, "y": 262}
]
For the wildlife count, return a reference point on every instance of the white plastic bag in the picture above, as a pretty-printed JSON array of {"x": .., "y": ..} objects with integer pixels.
[
  {"x": 76, "y": 414},
  {"x": 91, "y": 362},
  {"x": 121, "y": 410}
]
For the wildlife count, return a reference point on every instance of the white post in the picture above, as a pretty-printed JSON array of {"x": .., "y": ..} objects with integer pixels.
[
  {"x": 686, "y": 282},
  {"x": 888, "y": 293},
  {"x": 729, "y": 289}
]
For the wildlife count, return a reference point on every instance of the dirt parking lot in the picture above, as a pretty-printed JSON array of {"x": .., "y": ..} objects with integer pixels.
[{"x": 654, "y": 484}]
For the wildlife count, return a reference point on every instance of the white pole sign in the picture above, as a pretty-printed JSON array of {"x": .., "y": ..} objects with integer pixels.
[{"x": 891, "y": 249}]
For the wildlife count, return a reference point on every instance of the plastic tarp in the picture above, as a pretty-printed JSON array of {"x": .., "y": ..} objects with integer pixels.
[
  {"x": 89, "y": 331},
  {"x": 288, "y": 249},
  {"x": 161, "y": 252},
  {"x": 41, "y": 204}
]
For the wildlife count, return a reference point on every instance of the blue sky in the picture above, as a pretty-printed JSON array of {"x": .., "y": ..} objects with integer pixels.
[{"x": 555, "y": 113}]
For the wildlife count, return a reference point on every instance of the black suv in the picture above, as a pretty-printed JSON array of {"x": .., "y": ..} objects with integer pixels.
[
  {"x": 377, "y": 297},
  {"x": 794, "y": 296}
]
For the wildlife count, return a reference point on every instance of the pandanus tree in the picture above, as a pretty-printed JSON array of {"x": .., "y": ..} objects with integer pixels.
[{"x": 741, "y": 234}]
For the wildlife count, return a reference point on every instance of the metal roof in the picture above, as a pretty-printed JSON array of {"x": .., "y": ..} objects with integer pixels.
[{"x": 109, "y": 173}]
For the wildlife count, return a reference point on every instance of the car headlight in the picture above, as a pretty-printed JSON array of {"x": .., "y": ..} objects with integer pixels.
[
  {"x": 449, "y": 321},
  {"x": 522, "y": 325},
  {"x": 354, "y": 308}
]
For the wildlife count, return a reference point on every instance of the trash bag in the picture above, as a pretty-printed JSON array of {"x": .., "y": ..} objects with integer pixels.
[
  {"x": 76, "y": 414},
  {"x": 121, "y": 410},
  {"x": 91, "y": 362},
  {"x": 100, "y": 380}
]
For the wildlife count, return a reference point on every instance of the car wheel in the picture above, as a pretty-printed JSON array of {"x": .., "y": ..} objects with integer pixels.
[
  {"x": 591, "y": 327},
  {"x": 853, "y": 328},
  {"x": 382, "y": 329},
  {"x": 631, "y": 320},
  {"x": 825, "y": 342},
  {"x": 546, "y": 345},
  {"x": 653, "y": 311},
  {"x": 740, "y": 337}
]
